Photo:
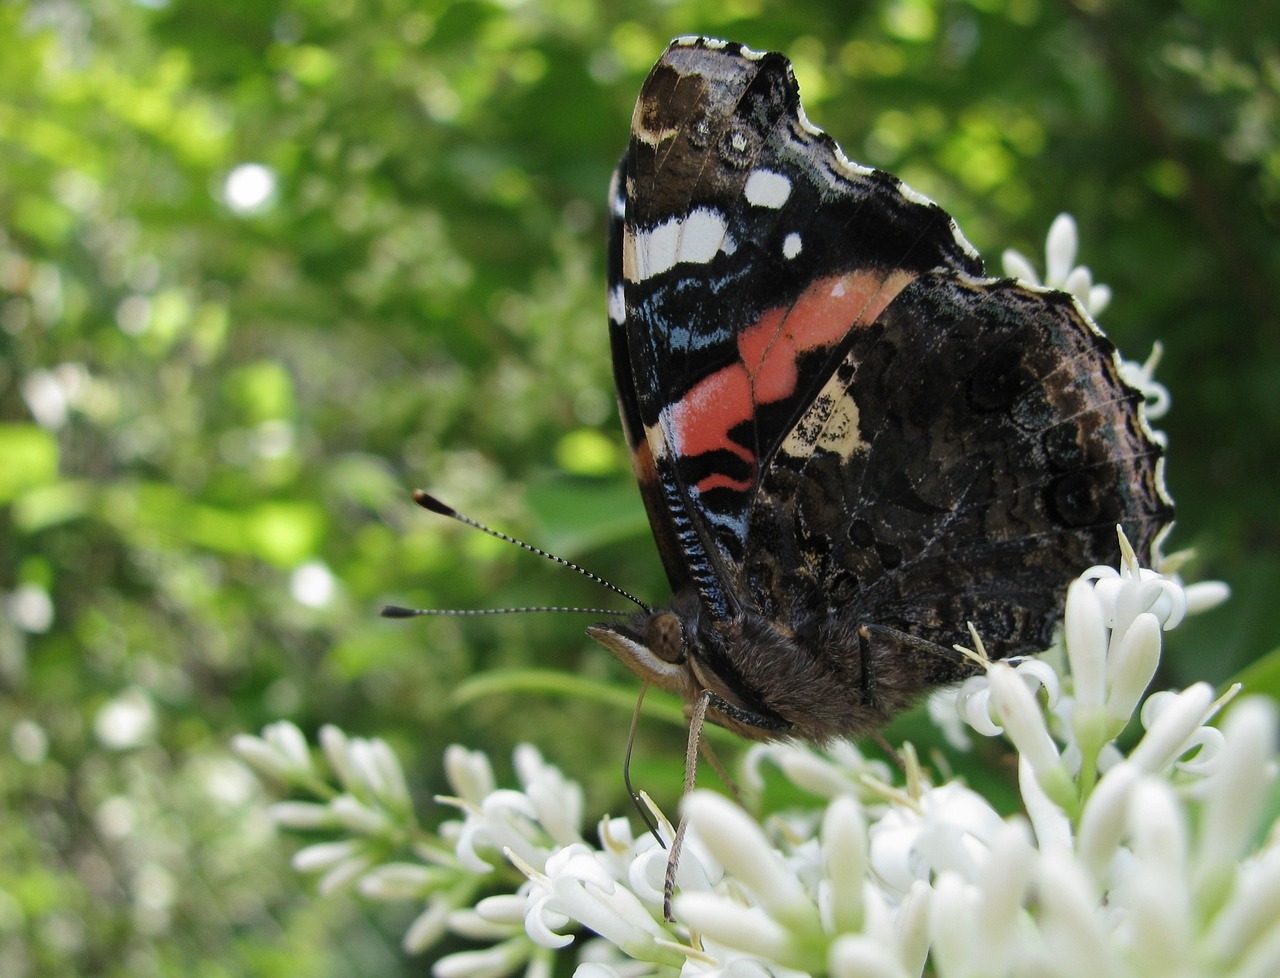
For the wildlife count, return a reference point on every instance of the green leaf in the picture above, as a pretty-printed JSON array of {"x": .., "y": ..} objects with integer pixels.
[
  {"x": 1262, "y": 675},
  {"x": 28, "y": 458}
]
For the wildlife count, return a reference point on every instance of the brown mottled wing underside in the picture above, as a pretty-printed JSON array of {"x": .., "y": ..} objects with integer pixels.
[{"x": 976, "y": 445}]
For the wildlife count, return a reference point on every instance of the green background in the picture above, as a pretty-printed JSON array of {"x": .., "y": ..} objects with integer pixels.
[{"x": 202, "y": 408}]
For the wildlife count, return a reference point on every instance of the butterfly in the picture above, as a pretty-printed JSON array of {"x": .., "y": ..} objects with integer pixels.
[{"x": 851, "y": 443}]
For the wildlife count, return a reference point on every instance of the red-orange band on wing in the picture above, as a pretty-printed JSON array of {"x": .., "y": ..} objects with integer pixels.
[{"x": 769, "y": 352}]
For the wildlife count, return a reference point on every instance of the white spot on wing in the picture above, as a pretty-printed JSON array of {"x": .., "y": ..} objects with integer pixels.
[
  {"x": 791, "y": 245},
  {"x": 617, "y": 306},
  {"x": 697, "y": 237},
  {"x": 701, "y": 236},
  {"x": 765, "y": 188},
  {"x": 616, "y": 197}
]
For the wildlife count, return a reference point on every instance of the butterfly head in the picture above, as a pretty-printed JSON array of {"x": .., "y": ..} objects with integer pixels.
[{"x": 679, "y": 650}]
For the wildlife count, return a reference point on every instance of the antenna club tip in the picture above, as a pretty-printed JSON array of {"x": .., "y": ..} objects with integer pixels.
[
  {"x": 432, "y": 504},
  {"x": 395, "y": 611}
]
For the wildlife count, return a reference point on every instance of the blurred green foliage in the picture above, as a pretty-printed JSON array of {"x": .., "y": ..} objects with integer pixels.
[{"x": 265, "y": 266}]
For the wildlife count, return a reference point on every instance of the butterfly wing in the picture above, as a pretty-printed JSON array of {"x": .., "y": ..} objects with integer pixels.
[
  {"x": 744, "y": 250},
  {"x": 975, "y": 447}
]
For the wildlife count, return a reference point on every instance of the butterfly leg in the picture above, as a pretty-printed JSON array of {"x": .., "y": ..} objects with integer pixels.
[{"x": 697, "y": 717}]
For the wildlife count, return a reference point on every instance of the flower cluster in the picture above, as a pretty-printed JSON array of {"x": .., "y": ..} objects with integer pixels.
[
  {"x": 1155, "y": 860},
  {"x": 1143, "y": 844}
]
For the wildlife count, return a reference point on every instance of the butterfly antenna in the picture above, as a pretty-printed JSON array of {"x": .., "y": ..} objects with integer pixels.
[{"x": 434, "y": 505}]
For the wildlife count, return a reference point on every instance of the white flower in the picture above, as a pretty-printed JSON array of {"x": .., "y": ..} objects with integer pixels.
[
  {"x": 339, "y": 863},
  {"x": 948, "y": 828},
  {"x": 1061, "y": 272},
  {"x": 400, "y": 881},
  {"x": 577, "y": 886},
  {"x": 557, "y": 801},
  {"x": 492, "y": 962},
  {"x": 841, "y": 769},
  {"x": 428, "y": 927},
  {"x": 367, "y": 768},
  {"x": 470, "y": 774},
  {"x": 1155, "y": 395},
  {"x": 281, "y": 752},
  {"x": 1175, "y": 724},
  {"x": 1136, "y": 866},
  {"x": 303, "y": 815},
  {"x": 945, "y": 715}
]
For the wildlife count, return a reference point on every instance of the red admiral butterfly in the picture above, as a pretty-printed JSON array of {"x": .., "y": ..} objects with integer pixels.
[{"x": 850, "y": 443}]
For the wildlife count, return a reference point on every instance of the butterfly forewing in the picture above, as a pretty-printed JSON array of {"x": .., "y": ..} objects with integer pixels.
[{"x": 744, "y": 248}]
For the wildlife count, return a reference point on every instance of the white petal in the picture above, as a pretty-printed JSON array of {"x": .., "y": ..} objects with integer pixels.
[
  {"x": 1022, "y": 719},
  {"x": 1131, "y": 668},
  {"x": 1017, "y": 265},
  {"x": 358, "y": 817},
  {"x": 973, "y": 703},
  {"x": 1086, "y": 632},
  {"x": 1204, "y": 595},
  {"x": 261, "y": 756},
  {"x": 466, "y": 922},
  {"x": 323, "y": 855},
  {"x": 1003, "y": 884},
  {"x": 1079, "y": 282},
  {"x": 427, "y": 928},
  {"x": 1069, "y": 921},
  {"x": 336, "y": 750},
  {"x": 844, "y": 856},
  {"x": 1061, "y": 247},
  {"x": 1156, "y": 897},
  {"x": 1105, "y": 817},
  {"x": 1051, "y": 824},
  {"x": 747, "y": 929},
  {"x": 734, "y": 838},
  {"x": 1236, "y": 792},
  {"x": 543, "y": 924},
  {"x": 1177, "y": 716},
  {"x": 398, "y": 881},
  {"x": 911, "y": 927},
  {"x": 953, "y": 927},
  {"x": 344, "y": 875},
  {"x": 1251, "y": 917},
  {"x": 594, "y": 969},
  {"x": 504, "y": 908},
  {"x": 492, "y": 962},
  {"x": 395, "y": 790},
  {"x": 302, "y": 815},
  {"x": 469, "y": 772},
  {"x": 857, "y": 956},
  {"x": 1099, "y": 299},
  {"x": 288, "y": 739}
]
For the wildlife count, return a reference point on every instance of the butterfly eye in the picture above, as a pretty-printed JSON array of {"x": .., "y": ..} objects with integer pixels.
[{"x": 666, "y": 637}]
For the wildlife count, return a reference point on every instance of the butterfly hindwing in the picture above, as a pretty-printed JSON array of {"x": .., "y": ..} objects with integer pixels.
[{"x": 974, "y": 440}]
